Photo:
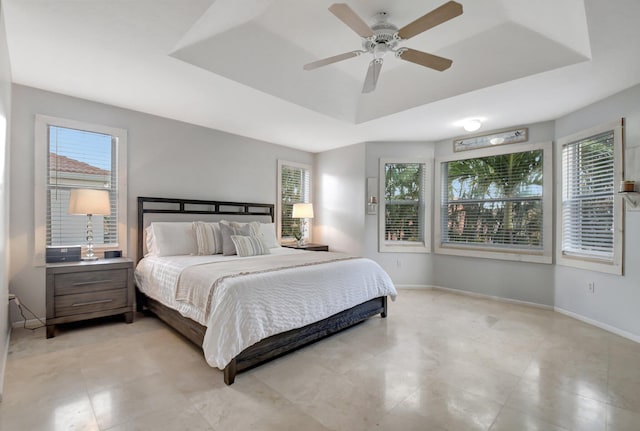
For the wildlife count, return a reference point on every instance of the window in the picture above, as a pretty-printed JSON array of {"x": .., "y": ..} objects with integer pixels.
[
  {"x": 72, "y": 155},
  {"x": 294, "y": 186},
  {"x": 404, "y": 219},
  {"x": 497, "y": 204},
  {"x": 590, "y": 214}
]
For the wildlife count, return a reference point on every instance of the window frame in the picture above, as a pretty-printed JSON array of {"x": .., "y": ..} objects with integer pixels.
[
  {"x": 309, "y": 230},
  {"x": 543, "y": 255},
  {"x": 424, "y": 246},
  {"x": 41, "y": 152},
  {"x": 615, "y": 265}
]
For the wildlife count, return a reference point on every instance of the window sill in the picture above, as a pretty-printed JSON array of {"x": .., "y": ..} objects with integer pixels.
[
  {"x": 590, "y": 264},
  {"x": 399, "y": 247},
  {"x": 493, "y": 253}
]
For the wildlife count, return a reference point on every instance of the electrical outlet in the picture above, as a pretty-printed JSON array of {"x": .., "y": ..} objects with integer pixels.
[{"x": 592, "y": 287}]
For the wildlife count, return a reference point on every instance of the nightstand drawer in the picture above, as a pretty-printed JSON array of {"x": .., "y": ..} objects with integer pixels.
[
  {"x": 80, "y": 303},
  {"x": 89, "y": 281}
]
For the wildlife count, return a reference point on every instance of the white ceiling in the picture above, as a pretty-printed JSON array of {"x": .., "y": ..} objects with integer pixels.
[{"x": 236, "y": 65}]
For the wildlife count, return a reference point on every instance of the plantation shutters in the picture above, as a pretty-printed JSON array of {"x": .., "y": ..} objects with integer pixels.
[{"x": 588, "y": 186}]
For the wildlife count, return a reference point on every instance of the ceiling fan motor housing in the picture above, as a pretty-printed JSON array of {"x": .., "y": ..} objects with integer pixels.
[{"x": 384, "y": 38}]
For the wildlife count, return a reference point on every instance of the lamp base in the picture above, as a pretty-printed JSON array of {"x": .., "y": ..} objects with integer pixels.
[{"x": 87, "y": 258}]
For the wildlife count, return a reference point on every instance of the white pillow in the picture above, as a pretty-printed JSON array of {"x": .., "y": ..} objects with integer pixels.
[
  {"x": 171, "y": 239},
  {"x": 208, "y": 238},
  {"x": 150, "y": 242},
  {"x": 268, "y": 235}
]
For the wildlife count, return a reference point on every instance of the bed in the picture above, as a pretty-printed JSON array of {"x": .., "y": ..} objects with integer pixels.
[{"x": 250, "y": 309}]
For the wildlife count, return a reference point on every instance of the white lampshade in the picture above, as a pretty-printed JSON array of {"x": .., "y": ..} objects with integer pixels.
[
  {"x": 302, "y": 211},
  {"x": 89, "y": 201}
]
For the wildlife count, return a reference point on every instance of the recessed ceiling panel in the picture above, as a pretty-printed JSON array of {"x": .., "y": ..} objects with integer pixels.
[
  {"x": 267, "y": 53},
  {"x": 255, "y": 57}
]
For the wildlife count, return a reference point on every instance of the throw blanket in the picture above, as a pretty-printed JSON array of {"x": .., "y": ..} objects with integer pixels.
[{"x": 189, "y": 288}]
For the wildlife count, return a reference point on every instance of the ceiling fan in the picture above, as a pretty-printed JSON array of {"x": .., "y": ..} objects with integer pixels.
[{"x": 384, "y": 37}]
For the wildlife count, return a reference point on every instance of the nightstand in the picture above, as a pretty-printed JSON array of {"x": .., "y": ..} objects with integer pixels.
[
  {"x": 89, "y": 289},
  {"x": 308, "y": 246}
]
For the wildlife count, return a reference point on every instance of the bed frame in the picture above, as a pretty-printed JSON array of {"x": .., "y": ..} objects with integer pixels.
[{"x": 270, "y": 347}]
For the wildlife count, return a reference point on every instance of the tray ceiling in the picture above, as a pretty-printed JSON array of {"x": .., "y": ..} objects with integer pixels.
[{"x": 236, "y": 65}]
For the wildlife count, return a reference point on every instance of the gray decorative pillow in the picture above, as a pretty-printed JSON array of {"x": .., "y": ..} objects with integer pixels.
[
  {"x": 249, "y": 246},
  {"x": 229, "y": 228}
]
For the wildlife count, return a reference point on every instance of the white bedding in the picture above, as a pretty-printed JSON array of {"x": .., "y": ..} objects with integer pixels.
[{"x": 249, "y": 308}]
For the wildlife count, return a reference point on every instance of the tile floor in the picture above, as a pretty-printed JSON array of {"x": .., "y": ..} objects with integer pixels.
[{"x": 440, "y": 361}]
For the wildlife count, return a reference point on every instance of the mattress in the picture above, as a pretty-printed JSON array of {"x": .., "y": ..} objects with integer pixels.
[{"x": 254, "y": 304}]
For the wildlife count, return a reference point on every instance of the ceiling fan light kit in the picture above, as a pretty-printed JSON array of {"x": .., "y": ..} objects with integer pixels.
[{"x": 384, "y": 37}]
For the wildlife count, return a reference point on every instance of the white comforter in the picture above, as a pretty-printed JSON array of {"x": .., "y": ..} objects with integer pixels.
[{"x": 249, "y": 308}]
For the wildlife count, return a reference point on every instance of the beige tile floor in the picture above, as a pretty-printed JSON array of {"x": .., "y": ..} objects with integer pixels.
[{"x": 440, "y": 361}]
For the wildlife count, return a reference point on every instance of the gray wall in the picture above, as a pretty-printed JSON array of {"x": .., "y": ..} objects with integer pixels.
[
  {"x": 339, "y": 199},
  {"x": 5, "y": 120},
  {"x": 616, "y": 301},
  {"x": 165, "y": 158}
]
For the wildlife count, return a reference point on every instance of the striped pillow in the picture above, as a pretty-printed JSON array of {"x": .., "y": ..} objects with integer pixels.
[
  {"x": 208, "y": 238},
  {"x": 249, "y": 246}
]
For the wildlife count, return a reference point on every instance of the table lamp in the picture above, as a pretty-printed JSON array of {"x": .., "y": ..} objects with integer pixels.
[
  {"x": 302, "y": 211},
  {"x": 89, "y": 202}
]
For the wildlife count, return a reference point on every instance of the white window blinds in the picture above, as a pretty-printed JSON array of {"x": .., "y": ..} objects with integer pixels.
[
  {"x": 588, "y": 186},
  {"x": 404, "y": 204},
  {"x": 78, "y": 159},
  {"x": 494, "y": 201},
  {"x": 295, "y": 187}
]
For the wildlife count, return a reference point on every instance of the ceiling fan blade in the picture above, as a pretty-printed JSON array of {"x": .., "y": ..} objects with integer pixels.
[
  {"x": 329, "y": 60},
  {"x": 345, "y": 14},
  {"x": 424, "y": 59},
  {"x": 436, "y": 17},
  {"x": 373, "y": 72}
]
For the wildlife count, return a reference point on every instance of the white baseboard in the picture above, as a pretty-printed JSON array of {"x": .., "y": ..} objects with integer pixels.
[
  {"x": 31, "y": 323},
  {"x": 413, "y": 286},
  {"x": 3, "y": 363},
  {"x": 494, "y": 298},
  {"x": 596, "y": 323}
]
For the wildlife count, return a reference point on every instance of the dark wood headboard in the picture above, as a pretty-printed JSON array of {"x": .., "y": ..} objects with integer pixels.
[{"x": 195, "y": 207}]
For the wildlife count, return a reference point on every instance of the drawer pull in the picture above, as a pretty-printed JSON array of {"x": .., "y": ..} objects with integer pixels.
[
  {"x": 100, "y": 301},
  {"x": 86, "y": 283}
]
